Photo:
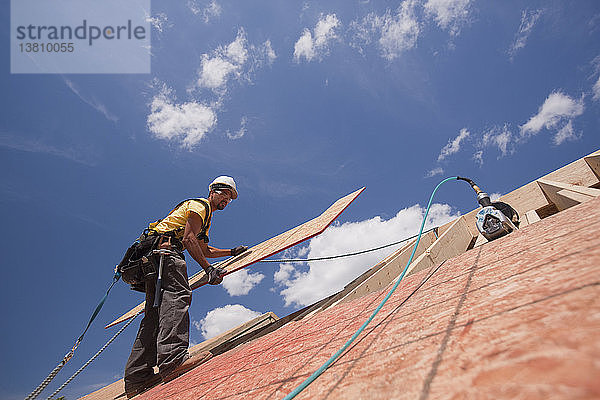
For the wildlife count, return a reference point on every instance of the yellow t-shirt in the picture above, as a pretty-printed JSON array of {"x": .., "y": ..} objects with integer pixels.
[{"x": 177, "y": 218}]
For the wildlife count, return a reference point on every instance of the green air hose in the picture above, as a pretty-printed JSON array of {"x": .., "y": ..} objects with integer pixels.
[{"x": 326, "y": 365}]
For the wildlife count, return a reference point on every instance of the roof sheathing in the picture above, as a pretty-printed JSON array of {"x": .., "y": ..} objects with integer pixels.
[{"x": 517, "y": 317}]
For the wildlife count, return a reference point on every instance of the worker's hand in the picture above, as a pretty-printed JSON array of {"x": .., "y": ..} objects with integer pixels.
[
  {"x": 215, "y": 275},
  {"x": 238, "y": 250}
]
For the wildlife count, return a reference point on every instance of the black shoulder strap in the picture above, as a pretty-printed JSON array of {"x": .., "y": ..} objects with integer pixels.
[{"x": 205, "y": 224}]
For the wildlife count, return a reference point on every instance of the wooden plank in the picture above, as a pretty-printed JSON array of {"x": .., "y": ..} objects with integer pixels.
[
  {"x": 565, "y": 195},
  {"x": 591, "y": 192},
  {"x": 480, "y": 240},
  {"x": 388, "y": 272},
  {"x": 525, "y": 198},
  {"x": 242, "y": 329},
  {"x": 575, "y": 196},
  {"x": 114, "y": 391},
  {"x": 454, "y": 241},
  {"x": 593, "y": 161},
  {"x": 578, "y": 173},
  {"x": 335, "y": 299},
  {"x": 582, "y": 172},
  {"x": 267, "y": 248},
  {"x": 350, "y": 287},
  {"x": 532, "y": 216}
]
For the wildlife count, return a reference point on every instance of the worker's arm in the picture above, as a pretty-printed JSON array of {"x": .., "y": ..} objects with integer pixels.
[
  {"x": 213, "y": 252},
  {"x": 192, "y": 227}
]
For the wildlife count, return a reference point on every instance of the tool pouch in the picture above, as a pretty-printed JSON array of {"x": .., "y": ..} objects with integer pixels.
[{"x": 138, "y": 264}]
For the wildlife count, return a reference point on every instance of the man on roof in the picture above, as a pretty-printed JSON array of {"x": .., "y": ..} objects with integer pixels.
[{"x": 163, "y": 336}]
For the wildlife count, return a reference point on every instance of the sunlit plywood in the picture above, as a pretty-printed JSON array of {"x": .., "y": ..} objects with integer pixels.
[{"x": 267, "y": 248}]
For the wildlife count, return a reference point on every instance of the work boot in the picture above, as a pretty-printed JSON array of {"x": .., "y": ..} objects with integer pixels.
[
  {"x": 187, "y": 365},
  {"x": 215, "y": 275},
  {"x": 148, "y": 384}
]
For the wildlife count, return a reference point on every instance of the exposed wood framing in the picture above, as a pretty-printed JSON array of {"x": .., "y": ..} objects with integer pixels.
[
  {"x": 525, "y": 198},
  {"x": 480, "y": 240},
  {"x": 243, "y": 329},
  {"x": 565, "y": 195},
  {"x": 391, "y": 268},
  {"x": 565, "y": 187},
  {"x": 456, "y": 240},
  {"x": 560, "y": 189},
  {"x": 593, "y": 161},
  {"x": 532, "y": 216},
  {"x": 576, "y": 173}
]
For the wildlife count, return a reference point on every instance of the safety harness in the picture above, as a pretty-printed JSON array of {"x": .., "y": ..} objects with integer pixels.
[
  {"x": 201, "y": 235},
  {"x": 139, "y": 264}
]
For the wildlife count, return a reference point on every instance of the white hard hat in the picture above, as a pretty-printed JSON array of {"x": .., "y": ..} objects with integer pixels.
[{"x": 224, "y": 182}]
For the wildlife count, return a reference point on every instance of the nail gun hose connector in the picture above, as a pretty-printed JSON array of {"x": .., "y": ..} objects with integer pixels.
[
  {"x": 482, "y": 197},
  {"x": 470, "y": 182}
]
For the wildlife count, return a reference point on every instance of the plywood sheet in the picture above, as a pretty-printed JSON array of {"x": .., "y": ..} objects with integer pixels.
[
  {"x": 593, "y": 160},
  {"x": 564, "y": 195},
  {"x": 246, "y": 327},
  {"x": 515, "y": 318},
  {"x": 267, "y": 248},
  {"x": 578, "y": 173},
  {"x": 451, "y": 243}
]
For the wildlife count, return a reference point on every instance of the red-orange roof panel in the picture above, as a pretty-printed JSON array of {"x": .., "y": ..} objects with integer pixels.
[{"x": 515, "y": 318}]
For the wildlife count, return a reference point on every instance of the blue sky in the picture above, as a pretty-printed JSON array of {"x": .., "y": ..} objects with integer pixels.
[{"x": 302, "y": 103}]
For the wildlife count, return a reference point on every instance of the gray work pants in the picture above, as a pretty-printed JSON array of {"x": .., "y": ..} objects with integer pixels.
[{"x": 163, "y": 337}]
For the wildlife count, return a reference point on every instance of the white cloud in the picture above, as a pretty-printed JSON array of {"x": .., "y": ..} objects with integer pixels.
[
  {"x": 565, "y": 133},
  {"x": 435, "y": 171},
  {"x": 528, "y": 21},
  {"x": 215, "y": 72},
  {"x": 194, "y": 7},
  {"x": 309, "y": 46},
  {"x": 20, "y": 142},
  {"x": 325, "y": 30},
  {"x": 269, "y": 53},
  {"x": 237, "y": 60},
  {"x": 187, "y": 123},
  {"x": 241, "y": 282},
  {"x": 304, "y": 46},
  {"x": 159, "y": 21},
  {"x": 558, "y": 109},
  {"x": 92, "y": 102},
  {"x": 397, "y": 32},
  {"x": 498, "y": 136},
  {"x": 211, "y": 11},
  {"x": 216, "y": 69},
  {"x": 596, "y": 90},
  {"x": 449, "y": 14},
  {"x": 478, "y": 157},
  {"x": 453, "y": 145},
  {"x": 304, "y": 286},
  {"x": 224, "y": 318},
  {"x": 495, "y": 196},
  {"x": 241, "y": 132},
  {"x": 236, "y": 50}
]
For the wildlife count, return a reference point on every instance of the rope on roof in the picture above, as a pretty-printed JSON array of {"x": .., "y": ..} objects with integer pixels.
[
  {"x": 36, "y": 392},
  {"x": 94, "y": 356}
]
